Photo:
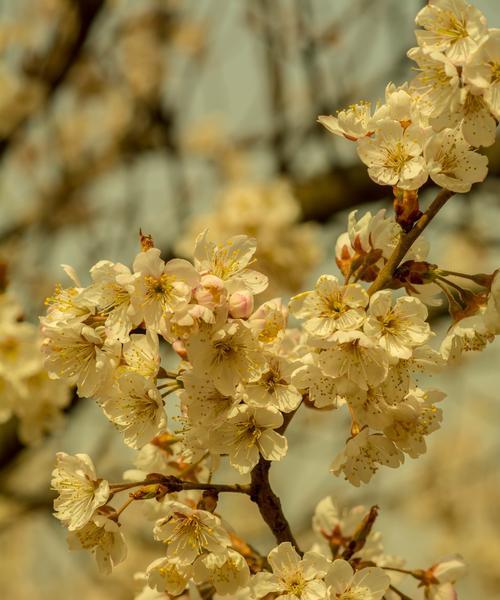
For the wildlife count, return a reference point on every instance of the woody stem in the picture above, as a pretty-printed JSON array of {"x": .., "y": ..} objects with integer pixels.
[
  {"x": 268, "y": 502},
  {"x": 406, "y": 240}
]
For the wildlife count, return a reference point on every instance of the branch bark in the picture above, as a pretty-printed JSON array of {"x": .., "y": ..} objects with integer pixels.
[{"x": 407, "y": 240}]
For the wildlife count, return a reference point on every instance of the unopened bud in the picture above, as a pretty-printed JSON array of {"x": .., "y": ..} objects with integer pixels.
[
  {"x": 210, "y": 292},
  {"x": 180, "y": 348},
  {"x": 241, "y": 305}
]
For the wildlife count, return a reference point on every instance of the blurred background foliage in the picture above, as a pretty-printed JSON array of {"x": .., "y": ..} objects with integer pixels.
[{"x": 175, "y": 115}]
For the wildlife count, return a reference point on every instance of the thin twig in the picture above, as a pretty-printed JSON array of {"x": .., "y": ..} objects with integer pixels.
[
  {"x": 407, "y": 240},
  {"x": 174, "y": 484}
]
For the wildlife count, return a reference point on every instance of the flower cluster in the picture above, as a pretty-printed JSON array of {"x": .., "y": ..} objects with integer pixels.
[
  {"x": 243, "y": 372},
  {"x": 25, "y": 389},
  {"x": 430, "y": 126}
]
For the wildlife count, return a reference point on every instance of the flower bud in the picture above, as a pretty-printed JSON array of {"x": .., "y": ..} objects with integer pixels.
[
  {"x": 241, "y": 305},
  {"x": 180, "y": 348},
  {"x": 210, "y": 292}
]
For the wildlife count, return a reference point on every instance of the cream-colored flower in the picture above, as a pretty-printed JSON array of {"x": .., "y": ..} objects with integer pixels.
[
  {"x": 274, "y": 388},
  {"x": 323, "y": 391},
  {"x": 400, "y": 105},
  {"x": 142, "y": 354},
  {"x": 414, "y": 419},
  {"x": 352, "y": 123},
  {"x": 169, "y": 575},
  {"x": 343, "y": 583},
  {"x": 471, "y": 334},
  {"x": 204, "y": 403},
  {"x": 451, "y": 26},
  {"x": 189, "y": 532},
  {"x": 79, "y": 354},
  {"x": 362, "y": 456},
  {"x": 356, "y": 357},
  {"x": 230, "y": 262},
  {"x": 472, "y": 116},
  {"x": 111, "y": 292},
  {"x": 227, "y": 571},
  {"x": 292, "y": 577},
  {"x": 482, "y": 71},
  {"x": 445, "y": 573},
  {"x": 162, "y": 288},
  {"x": 68, "y": 305},
  {"x": 436, "y": 84},
  {"x": 80, "y": 491},
  {"x": 330, "y": 307},
  {"x": 248, "y": 433},
  {"x": 135, "y": 407},
  {"x": 394, "y": 155},
  {"x": 103, "y": 538},
  {"x": 397, "y": 326},
  {"x": 269, "y": 321},
  {"x": 451, "y": 162},
  {"x": 230, "y": 354}
]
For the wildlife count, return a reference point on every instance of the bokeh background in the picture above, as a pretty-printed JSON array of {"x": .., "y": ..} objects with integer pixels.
[{"x": 174, "y": 115}]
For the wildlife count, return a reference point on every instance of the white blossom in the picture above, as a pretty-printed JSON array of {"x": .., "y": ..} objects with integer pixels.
[
  {"x": 169, "y": 575},
  {"x": 362, "y": 456},
  {"x": 135, "y": 407},
  {"x": 103, "y": 538},
  {"x": 357, "y": 357},
  {"x": 394, "y": 155},
  {"x": 230, "y": 354},
  {"x": 161, "y": 288},
  {"x": 230, "y": 262},
  {"x": 352, "y": 123},
  {"x": 398, "y": 326},
  {"x": 472, "y": 116},
  {"x": 227, "y": 572},
  {"x": 451, "y": 26},
  {"x": 414, "y": 419},
  {"x": 205, "y": 404},
  {"x": 343, "y": 583},
  {"x": 445, "y": 574},
  {"x": 436, "y": 84},
  {"x": 482, "y": 71},
  {"x": 330, "y": 307},
  {"x": 80, "y": 491},
  {"x": 323, "y": 391},
  {"x": 80, "y": 354},
  {"x": 451, "y": 162},
  {"x": 189, "y": 532},
  {"x": 292, "y": 577},
  {"x": 111, "y": 292},
  {"x": 470, "y": 334},
  {"x": 274, "y": 388},
  {"x": 248, "y": 433}
]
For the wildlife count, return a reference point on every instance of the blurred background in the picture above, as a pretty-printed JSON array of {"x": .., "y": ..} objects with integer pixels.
[{"x": 175, "y": 115}]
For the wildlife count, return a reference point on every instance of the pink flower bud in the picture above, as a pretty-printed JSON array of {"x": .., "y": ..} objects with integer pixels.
[
  {"x": 210, "y": 292},
  {"x": 241, "y": 305},
  {"x": 180, "y": 348}
]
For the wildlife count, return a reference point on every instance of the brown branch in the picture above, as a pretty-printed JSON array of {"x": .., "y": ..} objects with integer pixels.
[
  {"x": 407, "y": 239},
  {"x": 268, "y": 502},
  {"x": 174, "y": 484}
]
